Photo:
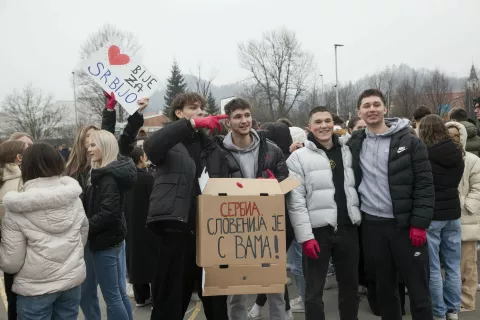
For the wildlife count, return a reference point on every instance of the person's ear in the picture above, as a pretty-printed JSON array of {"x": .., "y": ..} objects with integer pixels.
[
  {"x": 179, "y": 113},
  {"x": 18, "y": 158}
]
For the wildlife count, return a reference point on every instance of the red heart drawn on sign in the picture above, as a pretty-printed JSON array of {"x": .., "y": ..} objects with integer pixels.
[{"x": 117, "y": 58}]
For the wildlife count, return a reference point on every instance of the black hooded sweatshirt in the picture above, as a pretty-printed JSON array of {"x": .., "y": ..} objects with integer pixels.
[
  {"x": 105, "y": 203},
  {"x": 447, "y": 168},
  {"x": 334, "y": 154}
]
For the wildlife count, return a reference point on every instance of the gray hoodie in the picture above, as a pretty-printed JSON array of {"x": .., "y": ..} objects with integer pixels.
[
  {"x": 246, "y": 158},
  {"x": 374, "y": 189}
]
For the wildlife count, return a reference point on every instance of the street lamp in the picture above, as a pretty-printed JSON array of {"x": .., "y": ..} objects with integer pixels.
[
  {"x": 75, "y": 98},
  {"x": 336, "y": 79},
  {"x": 322, "y": 102}
]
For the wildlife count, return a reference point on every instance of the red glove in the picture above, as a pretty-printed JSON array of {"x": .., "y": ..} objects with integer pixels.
[
  {"x": 111, "y": 100},
  {"x": 418, "y": 236},
  {"x": 310, "y": 248},
  {"x": 269, "y": 174},
  {"x": 211, "y": 122}
]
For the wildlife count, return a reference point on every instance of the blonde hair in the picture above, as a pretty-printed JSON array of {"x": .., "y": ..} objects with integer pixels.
[
  {"x": 78, "y": 162},
  {"x": 108, "y": 145}
]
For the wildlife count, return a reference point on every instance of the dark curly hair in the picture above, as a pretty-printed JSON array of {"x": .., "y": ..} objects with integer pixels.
[{"x": 183, "y": 99}]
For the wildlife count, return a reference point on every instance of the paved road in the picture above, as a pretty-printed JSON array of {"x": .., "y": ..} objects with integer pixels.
[{"x": 330, "y": 299}]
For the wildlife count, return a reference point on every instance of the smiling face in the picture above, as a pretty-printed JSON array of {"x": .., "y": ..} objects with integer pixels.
[
  {"x": 190, "y": 111},
  {"x": 321, "y": 125},
  {"x": 94, "y": 152},
  {"x": 240, "y": 121},
  {"x": 372, "y": 110}
]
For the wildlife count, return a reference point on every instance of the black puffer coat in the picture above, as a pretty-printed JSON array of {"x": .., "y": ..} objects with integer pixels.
[
  {"x": 173, "y": 200},
  {"x": 141, "y": 248},
  {"x": 105, "y": 203},
  {"x": 447, "y": 168},
  {"x": 409, "y": 176}
]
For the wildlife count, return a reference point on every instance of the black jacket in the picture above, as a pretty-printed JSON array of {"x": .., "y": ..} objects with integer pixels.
[
  {"x": 127, "y": 140},
  {"x": 409, "y": 175},
  {"x": 105, "y": 203},
  {"x": 279, "y": 133},
  {"x": 447, "y": 168},
  {"x": 269, "y": 157},
  {"x": 141, "y": 249},
  {"x": 173, "y": 199}
]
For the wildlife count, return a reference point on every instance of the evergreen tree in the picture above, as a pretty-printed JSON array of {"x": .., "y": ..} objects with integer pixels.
[
  {"x": 212, "y": 108},
  {"x": 176, "y": 85}
]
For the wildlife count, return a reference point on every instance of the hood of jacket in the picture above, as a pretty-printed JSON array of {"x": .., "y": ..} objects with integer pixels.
[
  {"x": 11, "y": 171},
  {"x": 463, "y": 131},
  {"x": 445, "y": 154},
  {"x": 394, "y": 125},
  {"x": 123, "y": 171},
  {"x": 471, "y": 129},
  {"x": 46, "y": 202},
  {"x": 228, "y": 143},
  {"x": 279, "y": 133}
]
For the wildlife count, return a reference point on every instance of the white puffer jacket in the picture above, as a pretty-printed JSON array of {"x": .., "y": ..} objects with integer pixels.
[
  {"x": 11, "y": 181},
  {"x": 469, "y": 189},
  {"x": 43, "y": 235},
  {"x": 312, "y": 204}
]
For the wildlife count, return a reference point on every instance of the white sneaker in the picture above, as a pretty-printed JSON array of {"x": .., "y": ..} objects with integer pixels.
[
  {"x": 130, "y": 290},
  {"x": 144, "y": 304},
  {"x": 254, "y": 313},
  {"x": 289, "y": 315},
  {"x": 297, "y": 305},
  {"x": 452, "y": 316}
]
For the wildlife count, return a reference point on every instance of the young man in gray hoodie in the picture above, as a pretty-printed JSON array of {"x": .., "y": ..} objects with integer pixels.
[
  {"x": 250, "y": 155},
  {"x": 395, "y": 184}
]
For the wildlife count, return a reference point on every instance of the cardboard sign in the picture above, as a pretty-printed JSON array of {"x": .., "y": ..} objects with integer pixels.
[
  {"x": 242, "y": 230},
  {"x": 241, "y": 235},
  {"x": 115, "y": 71}
]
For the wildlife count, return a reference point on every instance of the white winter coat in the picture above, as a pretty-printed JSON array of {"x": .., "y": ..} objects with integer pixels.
[
  {"x": 12, "y": 181},
  {"x": 312, "y": 204},
  {"x": 469, "y": 190},
  {"x": 43, "y": 235}
]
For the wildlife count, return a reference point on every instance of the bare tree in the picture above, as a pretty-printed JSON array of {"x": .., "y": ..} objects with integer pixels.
[
  {"x": 90, "y": 94},
  {"x": 32, "y": 111},
  {"x": 279, "y": 67},
  {"x": 203, "y": 85},
  {"x": 407, "y": 96},
  {"x": 437, "y": 91},
  {"x": 254, "y": 94}
]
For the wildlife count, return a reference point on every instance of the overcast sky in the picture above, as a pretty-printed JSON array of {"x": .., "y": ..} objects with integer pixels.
[{"x": 40, "y": 40}]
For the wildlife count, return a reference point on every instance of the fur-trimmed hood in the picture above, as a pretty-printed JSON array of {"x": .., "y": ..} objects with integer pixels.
[
  {"x": 463, "y": 131},
  {"x": 46, "y": 202}
]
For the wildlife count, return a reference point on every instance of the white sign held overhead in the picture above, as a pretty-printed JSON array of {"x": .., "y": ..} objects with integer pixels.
[{"x": 114, "y": 70}]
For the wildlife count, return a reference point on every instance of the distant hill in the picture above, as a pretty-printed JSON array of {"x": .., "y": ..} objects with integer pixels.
[{"x": 219, "y": 92}]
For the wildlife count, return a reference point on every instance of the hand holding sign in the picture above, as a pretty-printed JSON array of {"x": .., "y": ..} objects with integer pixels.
[
  {"x": 142, "y": 104},
  {"x": 111, "y": 102}
]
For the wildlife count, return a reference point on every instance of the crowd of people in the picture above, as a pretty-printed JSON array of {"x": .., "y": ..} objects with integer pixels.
[{"x": 387, "y": 205}]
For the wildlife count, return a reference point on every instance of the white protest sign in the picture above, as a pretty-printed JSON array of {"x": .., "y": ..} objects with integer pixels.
[
  {"x": 223, "y": 103},
  {"x": 114, "y": 70}
]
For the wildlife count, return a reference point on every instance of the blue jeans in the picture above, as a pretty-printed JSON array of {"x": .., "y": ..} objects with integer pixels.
[
  {"x": 445, "y": 249},
  {"x": 294, "y": 255},
  {"x": 107, "y": 268},
  {"x": 60, "y": 305}
]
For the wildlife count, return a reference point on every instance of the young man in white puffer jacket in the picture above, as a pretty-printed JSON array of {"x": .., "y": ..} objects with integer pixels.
[{"x": 325, "y": 215}]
